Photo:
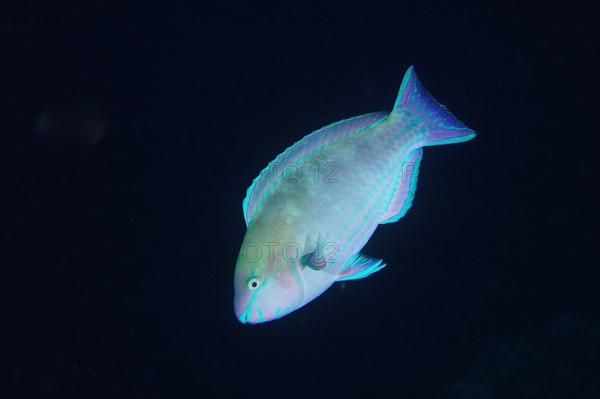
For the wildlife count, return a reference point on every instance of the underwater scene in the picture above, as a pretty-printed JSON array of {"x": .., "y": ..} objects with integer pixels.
[{"x": 308, "y": 199}]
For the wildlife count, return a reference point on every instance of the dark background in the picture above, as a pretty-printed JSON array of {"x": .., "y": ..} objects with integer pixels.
[{"x": 120, "y": 255}]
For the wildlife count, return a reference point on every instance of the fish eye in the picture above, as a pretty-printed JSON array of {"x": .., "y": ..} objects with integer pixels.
[{"x": 253, "y": 284}]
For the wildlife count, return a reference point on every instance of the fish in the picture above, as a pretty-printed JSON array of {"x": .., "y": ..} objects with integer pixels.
[{"x": 310, "y": 212}]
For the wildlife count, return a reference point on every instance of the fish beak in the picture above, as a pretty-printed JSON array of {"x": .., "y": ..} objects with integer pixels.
[
  {"x": 241, "y": 312},
  {"x": 245, "y": 314},
  {"x": 248, "y": 316}
]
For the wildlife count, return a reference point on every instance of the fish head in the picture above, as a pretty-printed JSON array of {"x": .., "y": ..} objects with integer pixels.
[{"x": 267, "y": 284}]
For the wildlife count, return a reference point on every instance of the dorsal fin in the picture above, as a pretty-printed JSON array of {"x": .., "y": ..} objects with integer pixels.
[{"x": 317, "y": 139}]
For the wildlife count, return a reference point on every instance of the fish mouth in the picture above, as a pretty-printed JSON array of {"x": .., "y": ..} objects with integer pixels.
[
  {"x": 248, "y": 316},
  {"x": 245, "y": 314}
]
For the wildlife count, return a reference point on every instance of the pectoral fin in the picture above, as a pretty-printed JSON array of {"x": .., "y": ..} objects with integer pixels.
[{"x": 315, "y": 260}]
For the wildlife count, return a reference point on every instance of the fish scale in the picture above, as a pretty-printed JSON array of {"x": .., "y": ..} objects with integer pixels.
[{"x": 329, "y": 192}]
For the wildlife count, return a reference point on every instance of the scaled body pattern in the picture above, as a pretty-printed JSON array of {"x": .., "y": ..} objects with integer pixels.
[{"x": 313, "y": 208}]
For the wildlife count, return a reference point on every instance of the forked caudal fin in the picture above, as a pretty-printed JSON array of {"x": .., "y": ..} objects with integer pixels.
[
  {"x": 417, "y": 108},
  {"x": 441, "y": 127}
]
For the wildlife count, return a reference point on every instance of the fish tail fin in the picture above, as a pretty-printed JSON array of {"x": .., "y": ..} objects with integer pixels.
[
  {"x": 424, "y": 122},
  {"x": 416, "y": 107}
]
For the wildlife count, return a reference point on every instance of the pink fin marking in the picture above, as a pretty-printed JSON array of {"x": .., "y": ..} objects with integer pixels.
[{"x": 405, "y": 190}]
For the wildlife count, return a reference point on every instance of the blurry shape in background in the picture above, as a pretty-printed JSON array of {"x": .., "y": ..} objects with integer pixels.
[
  {"x": 71, "y": 127},
  {"x": 564, "y": 363}
]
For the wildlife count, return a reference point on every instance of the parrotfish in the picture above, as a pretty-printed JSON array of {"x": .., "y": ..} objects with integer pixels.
[{"x": 313, "y": 208}]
